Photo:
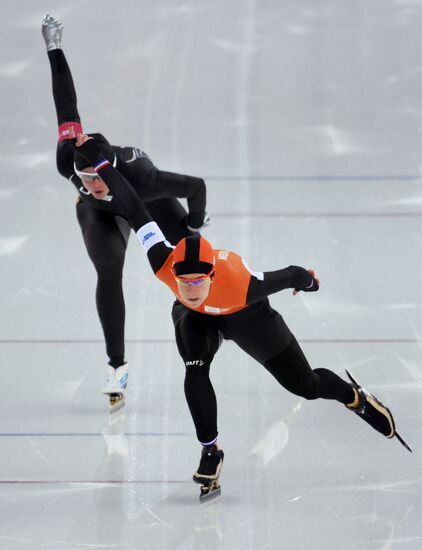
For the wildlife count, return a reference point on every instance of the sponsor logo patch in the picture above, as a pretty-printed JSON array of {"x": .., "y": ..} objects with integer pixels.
[
  {"x": 212, "y": 309},
  {"x": 147, "y": 237}
]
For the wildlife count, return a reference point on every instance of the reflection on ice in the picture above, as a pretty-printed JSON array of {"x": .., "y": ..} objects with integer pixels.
[{"x": 273, "y": 441}]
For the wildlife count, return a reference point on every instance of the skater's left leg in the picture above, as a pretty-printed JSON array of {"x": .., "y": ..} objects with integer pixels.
[
  {"x": 106, "y": 241},
  {"x": 105, "y": 237},
  {"x": 263, "y": 334},
  {"x": 291, "y": 369}
]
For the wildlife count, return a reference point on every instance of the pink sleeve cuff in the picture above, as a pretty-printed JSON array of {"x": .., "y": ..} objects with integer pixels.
[{"x": 64, "y": 130}]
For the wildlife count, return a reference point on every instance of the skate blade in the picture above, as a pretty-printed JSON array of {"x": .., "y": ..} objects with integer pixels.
[
  {"x": 351, "y": 378},
  {"x": 209, "y": 492},
  {"x": 403, "y": 442},
  {"x": 116, "y": 402},
  {"x": 399, "y": 437}
]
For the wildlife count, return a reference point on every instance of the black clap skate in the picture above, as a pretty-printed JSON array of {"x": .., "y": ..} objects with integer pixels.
[
  {"x": 375, "y": 413},
  {"x": 208, "y": 472}
]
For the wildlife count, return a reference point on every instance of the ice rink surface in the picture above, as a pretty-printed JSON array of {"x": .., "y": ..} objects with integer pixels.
[{"x": 305, "y": 119}]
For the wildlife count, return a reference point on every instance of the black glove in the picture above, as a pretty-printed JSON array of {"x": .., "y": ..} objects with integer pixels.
[
  {"x": 302, "y": 280},
  {"x": 89, "y": 150},
  {"x": 197, "y": 221}
]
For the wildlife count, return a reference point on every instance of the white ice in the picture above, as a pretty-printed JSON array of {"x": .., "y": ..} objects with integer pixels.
[{"x": 305, "y": 120}]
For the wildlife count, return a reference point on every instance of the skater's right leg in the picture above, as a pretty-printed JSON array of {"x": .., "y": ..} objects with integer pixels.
[
  {"x": 198, "y": 339},
  {"x": 210, "y": 464}
]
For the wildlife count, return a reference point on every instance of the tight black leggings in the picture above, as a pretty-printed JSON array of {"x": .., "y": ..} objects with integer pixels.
[
  {"x": 291, "y": 369},
  {"x": 199, "y": 336},
  {"x": 105, "y": 234},
  {"x": 105, "y": 237}
]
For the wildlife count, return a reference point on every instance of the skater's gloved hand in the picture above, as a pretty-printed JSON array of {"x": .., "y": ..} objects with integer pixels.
[
  {"x": 304, "y": 280},
  {"x": 86, "y": 146},
  {"x": 51, "y": 29},
  {"x": 192, "y": 224}
]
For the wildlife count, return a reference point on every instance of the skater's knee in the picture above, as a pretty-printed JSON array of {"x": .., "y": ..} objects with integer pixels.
[
  {"x": 302, "y": 382},
  {"x": 310, "y": 388},
  {"x": 196, "y": 343},
  {"x": 197, "y": 367},
  {"x": 108, "y": 266},
  {"x": 188, "y": 325}
]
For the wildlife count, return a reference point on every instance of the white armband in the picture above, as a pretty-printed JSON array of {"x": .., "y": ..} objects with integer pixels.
[{"x": 149, "y": 235}]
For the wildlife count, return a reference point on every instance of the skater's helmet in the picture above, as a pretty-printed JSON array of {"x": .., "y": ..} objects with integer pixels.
[
  {"x": 103, "y": 146},
  {"x": 193, "y": 255}
]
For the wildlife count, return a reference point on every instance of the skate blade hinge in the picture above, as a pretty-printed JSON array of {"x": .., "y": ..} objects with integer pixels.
[
  {"x": 116, "y": 401},
  {"x": 210, "y": 491}
]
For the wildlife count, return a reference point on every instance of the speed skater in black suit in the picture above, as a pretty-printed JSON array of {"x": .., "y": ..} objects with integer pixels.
[
  {"x": 218, "y": 297},
  {"x": 104, "y": 225}
]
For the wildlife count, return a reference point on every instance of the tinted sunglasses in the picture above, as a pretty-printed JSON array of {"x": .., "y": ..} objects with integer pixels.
[
  {"x": 192, "y": 282},
  {"x": 197, "y": 281}
]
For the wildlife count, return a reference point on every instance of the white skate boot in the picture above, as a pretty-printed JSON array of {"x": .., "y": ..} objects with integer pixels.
[
  {"x": 115, "y": 385},
  {"x": 51, "y": 30}
]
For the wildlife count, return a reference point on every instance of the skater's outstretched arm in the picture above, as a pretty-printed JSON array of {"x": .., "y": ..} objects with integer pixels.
[
  {"x": 64, "y": 94},
  {"x": 148, "y": 232},
  {"x": 263, "y": 284}
]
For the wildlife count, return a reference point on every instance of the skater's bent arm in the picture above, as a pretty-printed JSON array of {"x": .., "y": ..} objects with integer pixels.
[
  {"x": 148, "y": 232},
  {"x": 196, "y": 194},
  {"x": 185, "y": 187},
  {"x": 263, "y": 284}
]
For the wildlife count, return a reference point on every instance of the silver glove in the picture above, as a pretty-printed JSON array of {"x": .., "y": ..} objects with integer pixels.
[{"x": 51, "y": 30}]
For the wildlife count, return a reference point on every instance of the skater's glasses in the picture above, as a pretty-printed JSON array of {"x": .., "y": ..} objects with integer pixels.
[
  {"x": 198, "y": 281},
  {"x": 92, "y": 176}
]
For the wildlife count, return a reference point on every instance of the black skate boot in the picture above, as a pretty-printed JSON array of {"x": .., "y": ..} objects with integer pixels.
[
  {"x": 375, "y": 413},
  {"x": 208, "y": 472}
]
